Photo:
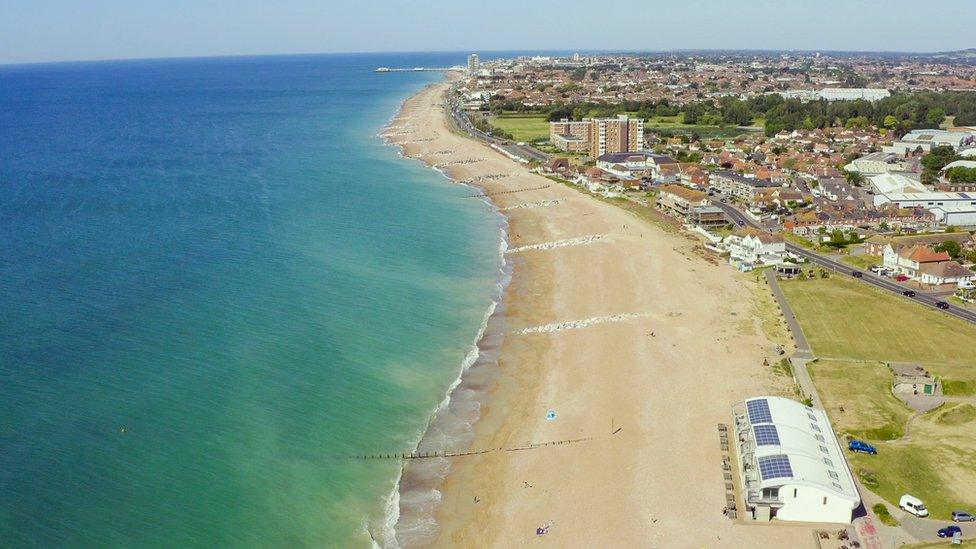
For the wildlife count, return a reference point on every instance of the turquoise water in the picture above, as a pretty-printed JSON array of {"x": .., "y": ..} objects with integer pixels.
[{"x": 216, "y": 284}]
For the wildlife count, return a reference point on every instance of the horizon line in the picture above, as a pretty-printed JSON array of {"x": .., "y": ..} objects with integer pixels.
[{"x": 391, "y": 52}]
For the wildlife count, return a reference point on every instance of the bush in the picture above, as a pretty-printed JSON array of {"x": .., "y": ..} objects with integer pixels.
[{"x": 881, "y": 510}]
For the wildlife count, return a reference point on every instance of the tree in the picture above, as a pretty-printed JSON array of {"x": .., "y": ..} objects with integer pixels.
[
  {"x": 935, "y": 116},
  {"x": 854, "y": 178},
  {"x": 890, "y": 122},
  {"x": 961, "y": 174},
  {"x": 951, "y": 247},
  {"x": 938, "y": 157}
]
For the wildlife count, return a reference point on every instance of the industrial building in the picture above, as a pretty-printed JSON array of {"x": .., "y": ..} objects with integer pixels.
[
  {"x": 880, "y": 162},
  {"x": 924, "y": 140},
  {"x": 836, "y": 94},
  {"x": 791, "y": 466}
]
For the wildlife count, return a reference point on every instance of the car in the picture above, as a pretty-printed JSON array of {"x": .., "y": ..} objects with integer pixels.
[
  {"x": 902, "y": 278},
  {"x": 962, "y": 516},
  {"x": 949, "y": 531},
  {"x": 862, "y": 447},
  {"x": 908, "y": 293},
  {"x": 913, "y": 505},
  {"x": 857, "y": 274},
  {"x": 942, "y": 304},
  {"x": 876, "y": 269},
  {"x": 722, "y": 200},
  {"x": 741, "y": 223}
]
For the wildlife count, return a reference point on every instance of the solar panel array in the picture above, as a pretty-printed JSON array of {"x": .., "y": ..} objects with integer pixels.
[
  {"x": 759, "y": 411},
  {"x": 766, "y": 435},
  {"x": 775, "y": 467}
]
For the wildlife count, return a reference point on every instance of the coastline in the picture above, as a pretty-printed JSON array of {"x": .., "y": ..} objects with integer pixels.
[
  {"x": 609, "y": 334},
  {"x": 442, "y": 431}
]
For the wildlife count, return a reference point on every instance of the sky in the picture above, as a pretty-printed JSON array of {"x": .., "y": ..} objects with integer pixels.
[{"x": 65, "y": 30}]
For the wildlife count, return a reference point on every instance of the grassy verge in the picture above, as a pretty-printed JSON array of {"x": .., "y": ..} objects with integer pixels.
[
  {"x": 647, "y": 213},
  {"x": 799, "y": 241},
  {"x": 862, "y": 261}
]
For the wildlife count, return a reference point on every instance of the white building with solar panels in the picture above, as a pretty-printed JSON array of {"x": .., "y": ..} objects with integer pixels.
[{"x": 791, "y": 466}]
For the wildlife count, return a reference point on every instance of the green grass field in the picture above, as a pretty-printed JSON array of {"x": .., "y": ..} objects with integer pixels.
[
  {"x": 523, "y": 127},
  {"x": 846, "y": 319},
  {"x": 858, "y": 398},
  {"x": 933, "y": 463},
  {"x": 535, "y": 127},
  {"x": 854, "y": 329}
]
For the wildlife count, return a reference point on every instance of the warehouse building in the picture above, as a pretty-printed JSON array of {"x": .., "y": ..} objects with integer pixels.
[{"x": 791, "y": 466}]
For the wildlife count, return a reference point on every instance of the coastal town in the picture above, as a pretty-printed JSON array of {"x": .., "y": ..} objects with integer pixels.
[
  {"x": 838, "y": 190},
  {"x": 842, "y": 187}
]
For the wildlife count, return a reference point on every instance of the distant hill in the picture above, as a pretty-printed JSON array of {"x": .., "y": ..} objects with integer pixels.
[{"x": 969, "y": 53}]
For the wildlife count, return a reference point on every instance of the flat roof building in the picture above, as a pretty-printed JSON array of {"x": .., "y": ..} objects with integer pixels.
[
  {"x": 927, "y": 200},
  {"x": 926, "y": 139},
  {"x": 889, "y": 183},
  {"x": 791, "y": 466}
]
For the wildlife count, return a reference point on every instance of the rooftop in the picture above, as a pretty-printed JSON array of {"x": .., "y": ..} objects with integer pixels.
[{"x": 795, "y": 444}]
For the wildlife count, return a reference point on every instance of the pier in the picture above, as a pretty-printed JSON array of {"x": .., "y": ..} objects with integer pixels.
[{"x": 419, "y": 69}]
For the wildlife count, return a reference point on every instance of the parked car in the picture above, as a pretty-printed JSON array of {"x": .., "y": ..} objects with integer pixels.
[
  {"x": 909, "y": 293},
  {"x": 949, "y": 531},
  {"x": 857, "y": 274},
  {"x": 876, "y": 269},
  {"x": 902, "y": 278},
  {"x": 862, "y": 447},
  {"x": 962, "y": 516},
  {"x": 942, "y": 304},
  {"x": 913, "y": 505}
]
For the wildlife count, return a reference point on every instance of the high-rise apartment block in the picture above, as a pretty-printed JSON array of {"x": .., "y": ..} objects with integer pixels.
[{"x": 598, "y": 136}]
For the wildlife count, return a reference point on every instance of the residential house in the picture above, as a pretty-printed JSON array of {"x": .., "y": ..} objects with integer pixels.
[
  {"x": 910, "y": 260},
  {"x": 755, "y": 248},
  {"x": 946, "y": 272},
  {"x": 679, "y": 201}
]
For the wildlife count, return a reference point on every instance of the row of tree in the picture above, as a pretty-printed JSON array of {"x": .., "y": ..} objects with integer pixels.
[{"x": 900, "y": 112}]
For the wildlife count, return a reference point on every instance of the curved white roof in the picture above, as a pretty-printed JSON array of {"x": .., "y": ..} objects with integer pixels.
[
  {"x": 795, "y": 444},
  {"x": 960, "y": 163}
]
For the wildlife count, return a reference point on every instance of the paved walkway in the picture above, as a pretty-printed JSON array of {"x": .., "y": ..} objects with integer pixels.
[
  {"x": 803, "y": 353},
  {"x": 802, "y": 347}
]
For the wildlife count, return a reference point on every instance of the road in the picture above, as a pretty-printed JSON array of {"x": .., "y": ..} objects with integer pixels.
[
  {"x": 742, "y": 219},
  {"x": 526, "y": 152}
]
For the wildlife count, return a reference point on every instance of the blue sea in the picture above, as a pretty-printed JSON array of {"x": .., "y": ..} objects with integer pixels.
[{"x": 216, "y": 285}]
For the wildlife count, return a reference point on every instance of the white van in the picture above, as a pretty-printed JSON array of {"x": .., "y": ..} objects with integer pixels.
[{"x": 913, "y": 505}]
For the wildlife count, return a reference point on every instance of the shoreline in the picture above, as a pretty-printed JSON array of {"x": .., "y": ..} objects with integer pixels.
[
  {"x": 600, "y": 340},
  {"x": 483, "y": 353}
]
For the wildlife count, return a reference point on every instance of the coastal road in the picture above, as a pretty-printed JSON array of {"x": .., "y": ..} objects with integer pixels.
[
  {"x": 526, "y": 152},
  {"x": 742, "y": 219}
]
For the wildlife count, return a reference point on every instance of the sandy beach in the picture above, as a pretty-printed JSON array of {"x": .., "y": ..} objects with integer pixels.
[{"x": 638, "y": 345}]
